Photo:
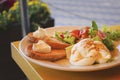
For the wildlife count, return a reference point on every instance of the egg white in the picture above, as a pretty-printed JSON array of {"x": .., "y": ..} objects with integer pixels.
[{"x": 87, "y": 52}]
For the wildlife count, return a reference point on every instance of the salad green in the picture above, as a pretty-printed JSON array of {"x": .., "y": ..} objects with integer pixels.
[
  {"x": 65, "y": 37},
  {"x": 104, "y": 35}
]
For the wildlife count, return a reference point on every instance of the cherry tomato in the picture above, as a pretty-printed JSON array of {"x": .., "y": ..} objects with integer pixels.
[
  {"x": 62, "y": 35},
  {"x": 101, "y": 34},
  {"x": 84, "y": 33},
  {"x": 80, "y": 33},
  {"x": 75, "y": 33}
]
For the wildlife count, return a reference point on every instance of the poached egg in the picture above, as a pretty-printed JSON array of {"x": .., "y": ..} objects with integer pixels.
[{"x": 87, "y": 52}]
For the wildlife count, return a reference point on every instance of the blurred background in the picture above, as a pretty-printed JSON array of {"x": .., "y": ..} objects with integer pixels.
[
  {"x": 81, "y": 12},
  {"x": 48, "y": 13}
]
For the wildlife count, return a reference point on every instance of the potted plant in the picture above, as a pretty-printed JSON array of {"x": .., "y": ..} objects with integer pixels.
[{"x": 39, "y": 13}]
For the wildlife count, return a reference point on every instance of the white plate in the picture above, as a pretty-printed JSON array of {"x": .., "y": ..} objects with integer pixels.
[{"x": 64, "y": 63}]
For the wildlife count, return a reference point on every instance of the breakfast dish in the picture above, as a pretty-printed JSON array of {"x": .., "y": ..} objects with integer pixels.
[
  {"x": 87, "y": 52},
  {"x": 73, "y": 48},
  {"x": 45, "y": 47}
]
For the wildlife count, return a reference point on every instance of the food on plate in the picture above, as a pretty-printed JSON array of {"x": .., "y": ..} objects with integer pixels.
[
  {"x": 87, "y": 52},
  {"x": 45, "y": 47},
  {"x": 68, "y": 51},
  {"x": 104, "y": 35},
  {"x": 55, "y": 43},
  {"x": 41, "y": 34},
  {"x": 86, "y": 46},
  {"x": 41, "y": 47},
  {"x": 99, "y": 44},
  {"x": 65, "y": 37},
  {"x": 53, "y": 55}
]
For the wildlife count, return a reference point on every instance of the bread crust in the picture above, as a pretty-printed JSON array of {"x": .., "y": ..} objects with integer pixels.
[{"x": 55, "y": 54}]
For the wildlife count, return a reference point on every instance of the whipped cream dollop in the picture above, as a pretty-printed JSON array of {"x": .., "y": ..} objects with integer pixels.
[
  {"x": 40, "y": 33},
  {"x": 41, "y": 47},
  {"x": 87, "y": 52}
]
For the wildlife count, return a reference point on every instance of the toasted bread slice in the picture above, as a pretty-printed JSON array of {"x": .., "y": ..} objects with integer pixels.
[
  {"x": 54, "y": 55},
  {"x": 55, "y": 43},
  {"x": 52, "y": 41}
]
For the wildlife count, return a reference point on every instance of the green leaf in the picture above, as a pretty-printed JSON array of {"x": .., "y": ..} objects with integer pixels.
[
  {"x": 94, "y": 26},
  {"x": 93, "y": 30},
  {"x": 96, "y": 38},
  {"x": 108, "y": 43},
  {"x": 114, "y": 35},
  {"x": 105, "y": 28}
]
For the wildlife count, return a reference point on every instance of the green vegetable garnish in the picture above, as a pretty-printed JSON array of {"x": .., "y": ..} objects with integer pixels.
[
  {"x": 114, "y": 35},
  {"x": 108, "y": 42},
  {"x": 105, "y": 35},
  {"x": 65, "y": 37},
  {"x": 57, "y": 35},
  {"x": 96, "y": 38},
  {"x": 105, "y": 28},
  {"x": 69, "y": 40},
  {"x": 93, "y": 30},
  {"x": 94, "y": 26}
]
